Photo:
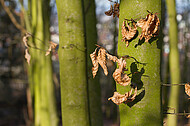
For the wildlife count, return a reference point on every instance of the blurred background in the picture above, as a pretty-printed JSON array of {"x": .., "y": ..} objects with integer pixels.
[{"x": 14, "y": 109}]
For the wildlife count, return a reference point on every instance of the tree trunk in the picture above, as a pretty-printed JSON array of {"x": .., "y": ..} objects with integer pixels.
[
  {"x": 173, "y": 61},
  {"x": 72, "y": 58},
  {"x": 145, "y": 110},
  {"x": 45, "y": 113},
  {"x": 94, "y": 92},
  {"x": 40, "y": 69}
]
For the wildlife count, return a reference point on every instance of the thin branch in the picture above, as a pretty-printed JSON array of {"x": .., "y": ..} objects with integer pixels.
[
  {"x": 173, "y": 84},
  {"x": 178, "y": 114},
  {"x": 11, "y": 16},
  {"x": 38, "y": 39}
]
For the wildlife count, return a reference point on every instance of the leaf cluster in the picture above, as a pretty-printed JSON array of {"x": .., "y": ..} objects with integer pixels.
[
  {"x": 99, "y": 57},
  {"x": 149, "y": 28},
  {"x": 114, "y": 10},
  {"x": 25, "y": 38}
]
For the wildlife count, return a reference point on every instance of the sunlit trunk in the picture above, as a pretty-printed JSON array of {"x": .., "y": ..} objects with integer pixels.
[
  {"x": 143, "y": 68},
  {"x": 173, "y": 61},
  {"x": 73, "y": 66}
]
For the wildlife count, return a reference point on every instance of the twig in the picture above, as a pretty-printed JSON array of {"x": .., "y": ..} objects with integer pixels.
[
  {"x": 37, "y": 39},
  {"x": 37, "y": 48},
  {"x": 11, "y": 16},
  {"x": 173, "y": 84},
  {"x": 127, "y": 57},
  {"x": 179, "y": 114}
]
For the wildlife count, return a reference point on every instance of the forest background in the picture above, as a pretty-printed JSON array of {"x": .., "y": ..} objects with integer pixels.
[{"x": 16, "y": 91}]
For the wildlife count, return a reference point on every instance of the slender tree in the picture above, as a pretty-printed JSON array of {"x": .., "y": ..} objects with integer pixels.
[
  {"x": 143, "y": 67},
  {"x": 45, "y": 113},
  {"x": 72, "y": 58},
  {"x": 173, "y": 61},
  {"x": 40, "y": 69},
  {"x": 94, "y": 93}
]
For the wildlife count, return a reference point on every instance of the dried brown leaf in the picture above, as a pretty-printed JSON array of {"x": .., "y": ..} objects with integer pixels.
[
  {"x": 188, "y": 116},
  {"x": 113, "y": 58},
  {"x": 118, "y": 98},
  {"x": 27, "y": 56},
  {"x": 128, "y": 32},
  {"x": 52, "y": 46},
  {"x": 25, "y": 39},
  {"x": 109, "y": 12},
  {"x": 187, "y": 89},
  {"x": 114, "y": 10},
  {"x": 119, "y": 76},
  {"x": 150, "y": 26},
  {"x": 132, "y": 97},
  {"x": 127, "y": 97},
  {"x": 101, "y": 58},
  {"x": 48, "y": 51},
  {"x": 93, "y": 57}
]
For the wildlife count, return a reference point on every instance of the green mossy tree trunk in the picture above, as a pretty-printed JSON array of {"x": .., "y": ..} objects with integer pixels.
[
  {"x": 40, "y": 75},
  {"x": 173, "y": 61},
  {"x": 73, "y": 66},
  {"x": 94, "y": 92},
  {"x": 145, "y": 110}
]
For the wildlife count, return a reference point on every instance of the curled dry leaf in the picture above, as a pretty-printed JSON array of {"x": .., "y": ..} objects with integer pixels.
[
  {"x": 112, "y": 58},
  {"x": 150, "y": 26},
  {"x": 127, "y": 97},
  {"x": 118, "y": 98},
  {"x": 114, "y": 10},
  {"x": 187, "y": 89},
  {"x": 109, "y": 12},
  {"x": 188, "y": 116},
  {"x": 132, "y": 97},
  {"x": 52, "y": 46},
  {"x": 25, "y": 39},
  {"x": 93, "y": 57},
  {"x": 128, "y": 32},
  {"x": 119, "y": 76},
  {"x": 27, "y": 56},
  {"x": 102, "y": 60}
]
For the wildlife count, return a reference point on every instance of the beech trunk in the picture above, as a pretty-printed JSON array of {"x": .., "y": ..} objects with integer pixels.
[
  {"x": 174, "y": 65},
  {"x": 94, "y": 92},
  {"x": 72, "y": 58},
  {"x": 143, "y": 68}
]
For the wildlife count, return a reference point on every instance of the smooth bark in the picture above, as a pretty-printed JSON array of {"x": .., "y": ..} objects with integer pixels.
[
  {"x": 45, "y": 113},
  {"x": 72, "y": 57},
  {"x": 94, "y": 92},
  {"x": 144, "y": 69},
  {"x": 173, "y": 61}
]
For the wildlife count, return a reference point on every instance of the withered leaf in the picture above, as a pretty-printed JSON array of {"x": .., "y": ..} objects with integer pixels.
[
  {"x": 102, "y": 60},
  {"x": 52, "y": 46},
  {"x": 109, "y": 12},
  {"x": 128, "y": 32},
  {"x": 187, "y": 89},
  {"x": 132, "y": 97},
  {"x": 118, "y": 98},
  {"x": 25, "y": 39},
  {"x": 127, "y": 97},
  {"x": 93, "y": 57},
  {"x": 112, "y": 58},
  {"x": 188, "y": 116},
  {"x": 150, "y": 26},
  {"x": 114, "y": 10},
  {"x": 27, "y": 56},
  {"x": 119, "y": 76}
]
